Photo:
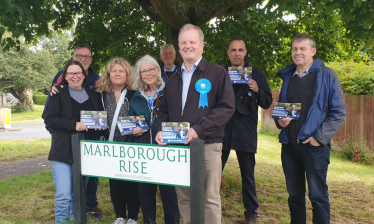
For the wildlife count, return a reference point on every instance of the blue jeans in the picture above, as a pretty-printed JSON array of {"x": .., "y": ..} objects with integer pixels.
[
  {"x": 300, "y": 161},
  {"x": 63, "y": 179}
]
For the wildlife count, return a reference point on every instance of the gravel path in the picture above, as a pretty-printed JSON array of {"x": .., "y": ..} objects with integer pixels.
[{"x": 24, "y": 167}]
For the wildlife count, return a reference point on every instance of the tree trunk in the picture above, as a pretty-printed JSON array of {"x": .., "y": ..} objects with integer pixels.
[
  {"x": 172, "y": 38},
  {"x": 20, "y": 95}
]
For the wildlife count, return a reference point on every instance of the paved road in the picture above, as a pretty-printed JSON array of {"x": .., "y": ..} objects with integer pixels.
[
  {"x": 24, "y": 167},
  {"x": 24, "y": 131}
]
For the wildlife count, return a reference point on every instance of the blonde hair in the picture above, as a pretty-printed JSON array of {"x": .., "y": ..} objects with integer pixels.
[
  {"x": 105, "y": 85},
  {"x": 139, "y": 84}
]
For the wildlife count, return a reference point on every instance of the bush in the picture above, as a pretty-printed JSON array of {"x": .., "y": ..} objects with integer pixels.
[
  {"x": 18, "y": 109},
  {"x": 353, "y": 151},
  {"x": 356, "y": 78},
  {"x": 39, "y": 99}
]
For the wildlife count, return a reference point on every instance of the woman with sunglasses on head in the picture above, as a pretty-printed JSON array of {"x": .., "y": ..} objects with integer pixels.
[
  {"x": 149, "y": 86},
  {"x": 63, "y": 115},
  {"x": 115, "y": 88}
]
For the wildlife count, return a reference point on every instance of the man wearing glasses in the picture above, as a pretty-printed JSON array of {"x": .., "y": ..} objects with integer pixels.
[{"x": 82, "y": 53}]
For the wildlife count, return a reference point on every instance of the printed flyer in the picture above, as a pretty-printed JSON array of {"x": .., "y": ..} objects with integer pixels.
[
  {"x": 283, "y": 110},
  {"x": 128, "y": 124},
  {"x": 175, "y": 132},
  {"x": 94, "y": 119}
]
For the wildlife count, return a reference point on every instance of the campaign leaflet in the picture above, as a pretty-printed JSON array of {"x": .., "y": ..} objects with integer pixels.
[
  {"x": 240, "y": 75},
  {"x": 128, "y": 124},
  {"x": 283, "y": 110},
  {"x": 94, "y": 119},
  {"x": 175, "y": 132}
]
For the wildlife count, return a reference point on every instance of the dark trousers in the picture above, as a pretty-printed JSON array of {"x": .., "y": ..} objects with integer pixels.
[
  {"x": 125, "y": 194},
  {"x": 247, "y": 163},
  {"x": 91, "y": 190},
  {"x": 299, "y": 161},
  {"x": 147, "y": 194}
]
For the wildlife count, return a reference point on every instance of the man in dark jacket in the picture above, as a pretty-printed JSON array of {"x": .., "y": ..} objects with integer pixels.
[
  {"x": 167, "y": 55},
  {"x": 241, "y": 129},
  {"x": 306, "y": 142},
  {"x": 82, "y": 53},
  {"x": 182, "y": 103}
]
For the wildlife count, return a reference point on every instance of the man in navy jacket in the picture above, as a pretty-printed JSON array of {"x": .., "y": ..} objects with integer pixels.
[
  {"x": 306, "y": 142},
  {"x": 241, "y": 129}
]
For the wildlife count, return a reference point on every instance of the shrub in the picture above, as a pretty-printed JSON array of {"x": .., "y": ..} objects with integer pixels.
[
  {"x": 39, "y": 99},
  {"x": 18, "y": 109},
  {"x": 356, "y": 78},
  {"x": 353, "y": 151}
]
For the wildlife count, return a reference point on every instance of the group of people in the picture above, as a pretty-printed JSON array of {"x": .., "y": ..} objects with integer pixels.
[{"x": 226, "y": 120}]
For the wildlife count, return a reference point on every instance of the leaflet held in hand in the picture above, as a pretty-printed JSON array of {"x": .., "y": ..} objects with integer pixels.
[
  {"x": 128, "y": 124},
  {"x": 240, "y": 75},
  {"x": 175, "y": 132},
  {"x": 283, "y": 110},
  {"x": 94, "y": 119}
]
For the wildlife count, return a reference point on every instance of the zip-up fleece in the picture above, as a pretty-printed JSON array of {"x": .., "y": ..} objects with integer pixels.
[
  {"x": 208, "y": 122},
  {"x": 139, "y": 106},
  {"x": 328, "y": 110}
]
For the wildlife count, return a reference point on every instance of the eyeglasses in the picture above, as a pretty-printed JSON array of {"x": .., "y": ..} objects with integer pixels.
[
  {"x": 72, "y": 74},
  {"x": 79, "y": 56},
  {"x": 151, "y": 71}
]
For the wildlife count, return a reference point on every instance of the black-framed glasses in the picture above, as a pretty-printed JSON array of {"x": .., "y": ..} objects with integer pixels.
[
  {"x": 80, "y": 56},
  {"x": 150, "y": 71},
  {"x": 72, "y": 74}
]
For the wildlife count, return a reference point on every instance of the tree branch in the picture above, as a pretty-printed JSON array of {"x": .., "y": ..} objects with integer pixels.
[{"x": 176, "y": 13}]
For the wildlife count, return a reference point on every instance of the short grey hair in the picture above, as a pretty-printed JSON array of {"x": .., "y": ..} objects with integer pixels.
[
  {"x": 166, "y": 46},
  {"x": 139, "y": 84},
  {"x": 189, "y": 26},
  {"x": 303, "y": 36}
]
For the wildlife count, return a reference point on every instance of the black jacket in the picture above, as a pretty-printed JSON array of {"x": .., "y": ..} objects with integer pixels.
[
  {"x": 241, "y": 129},
  {"x": 208, "y": 122},
  {"x": 58, "y": 116}
]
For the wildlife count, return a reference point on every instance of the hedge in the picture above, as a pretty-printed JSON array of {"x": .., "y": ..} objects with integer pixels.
[
  {"x": 356, "y": 78},
  {"x": 39, "y": 99}
]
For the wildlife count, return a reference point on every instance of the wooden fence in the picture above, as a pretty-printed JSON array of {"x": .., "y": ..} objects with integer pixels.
[{"x": 359, "y": 123}]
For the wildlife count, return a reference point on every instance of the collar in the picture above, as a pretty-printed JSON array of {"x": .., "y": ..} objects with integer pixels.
[
  {"x": 194, "y": 66},
  {"x": 171, "y": 70},
  {"x": 246, "y": 64},
  {"x": 306, "y": 72}
]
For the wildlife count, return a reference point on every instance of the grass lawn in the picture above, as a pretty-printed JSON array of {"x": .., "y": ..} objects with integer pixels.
[
  {"x": 25, "y": 148},
  {"x": 31, "y": 117},
  {"x": 30, "y": 199}
]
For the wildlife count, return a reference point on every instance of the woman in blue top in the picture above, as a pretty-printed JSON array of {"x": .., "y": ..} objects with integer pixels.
[{"x": 149, "y": 86}]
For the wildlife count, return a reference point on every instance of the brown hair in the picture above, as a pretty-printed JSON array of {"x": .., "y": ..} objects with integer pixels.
[{"x": 64, "y": 81}]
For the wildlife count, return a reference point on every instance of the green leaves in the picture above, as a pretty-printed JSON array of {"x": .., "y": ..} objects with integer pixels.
[
  {"x": 130, "y": 29},
  {"x": 23, "y": 70}
]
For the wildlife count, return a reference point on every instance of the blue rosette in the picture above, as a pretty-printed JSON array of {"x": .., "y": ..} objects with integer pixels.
[{"x": 203, "y": 86}]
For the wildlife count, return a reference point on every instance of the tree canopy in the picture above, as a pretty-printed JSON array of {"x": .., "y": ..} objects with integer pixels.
[
  {"x": 130, "y": 29},
  {"x": 24, "y": 70}
]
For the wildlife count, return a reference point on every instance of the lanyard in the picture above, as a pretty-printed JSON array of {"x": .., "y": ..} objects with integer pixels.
[{"x": 150, "y": 101}]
